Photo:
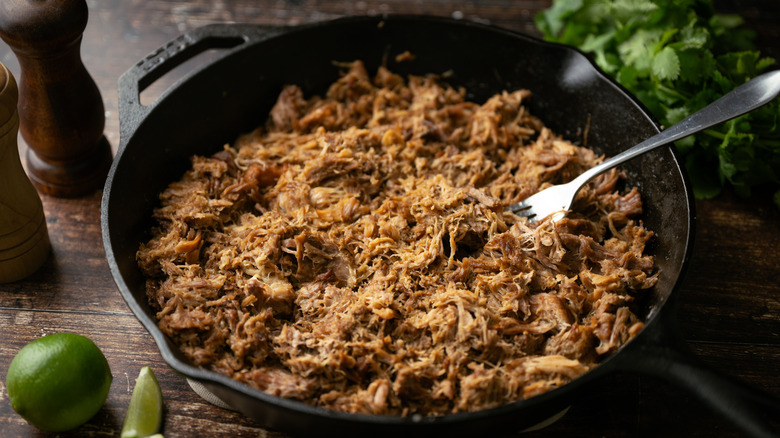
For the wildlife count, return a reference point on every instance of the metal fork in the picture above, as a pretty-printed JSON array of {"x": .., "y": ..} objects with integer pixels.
[{"x": 755, "y": 93}]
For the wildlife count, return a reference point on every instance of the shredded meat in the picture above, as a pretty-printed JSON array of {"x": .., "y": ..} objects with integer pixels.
[{"x": 354, "y": 252}]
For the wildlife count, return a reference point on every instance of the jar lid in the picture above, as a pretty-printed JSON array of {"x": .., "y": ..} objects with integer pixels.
[{"x": 9, "y": 95}]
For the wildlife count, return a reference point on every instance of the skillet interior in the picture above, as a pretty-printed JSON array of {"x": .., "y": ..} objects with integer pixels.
[{"x": 232, "y": 95}]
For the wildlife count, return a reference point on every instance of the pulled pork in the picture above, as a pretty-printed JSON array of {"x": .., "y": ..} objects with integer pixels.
[{"x": 354, "y": 253}]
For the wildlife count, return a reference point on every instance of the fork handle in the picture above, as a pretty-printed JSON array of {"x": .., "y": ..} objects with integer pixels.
[{"x": 751, "y": 95}]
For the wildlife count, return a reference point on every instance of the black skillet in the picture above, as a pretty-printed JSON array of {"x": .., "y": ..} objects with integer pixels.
[{"x": 231, "y": 95}]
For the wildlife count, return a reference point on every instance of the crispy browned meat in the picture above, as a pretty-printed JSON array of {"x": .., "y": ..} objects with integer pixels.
[{"x": 354, "y": 253}]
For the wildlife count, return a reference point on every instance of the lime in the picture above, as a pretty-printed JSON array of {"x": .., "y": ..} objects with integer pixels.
[
  {"x": 58, "y": 382},
  {"x": 144, "y": 415}
]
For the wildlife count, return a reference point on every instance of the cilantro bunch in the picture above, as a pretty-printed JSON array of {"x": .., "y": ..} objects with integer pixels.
[{"x": 677, "y": 56}]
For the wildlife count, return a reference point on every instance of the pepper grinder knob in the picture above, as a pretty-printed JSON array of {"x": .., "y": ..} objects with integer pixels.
[
  {"x": 24, "y": 239},
  {"x": 61, "y": 111}
]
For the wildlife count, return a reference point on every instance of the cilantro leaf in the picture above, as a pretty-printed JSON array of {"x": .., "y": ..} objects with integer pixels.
[{"x": 666, "y": 64}]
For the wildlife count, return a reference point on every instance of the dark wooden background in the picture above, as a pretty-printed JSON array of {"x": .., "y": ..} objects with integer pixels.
[{"x": 730, "y": 302}]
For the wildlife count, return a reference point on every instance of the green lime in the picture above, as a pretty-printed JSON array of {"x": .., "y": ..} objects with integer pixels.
[
  {"x": 144, "y": 415},
  {"x": 58, "y": 382}
]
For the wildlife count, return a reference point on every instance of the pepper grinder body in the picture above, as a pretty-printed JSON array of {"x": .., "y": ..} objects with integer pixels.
[
  {"x": 24, "y": 238},
  {"x": 61, "y": 111}
]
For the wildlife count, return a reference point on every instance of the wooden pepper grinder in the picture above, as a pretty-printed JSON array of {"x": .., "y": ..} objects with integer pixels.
[
  {"x": 24, "y": 240},
  {"x": 60, "y": 108}
]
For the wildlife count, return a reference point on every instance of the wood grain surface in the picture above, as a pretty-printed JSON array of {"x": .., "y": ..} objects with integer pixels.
[{"x": 729, "y": 303}]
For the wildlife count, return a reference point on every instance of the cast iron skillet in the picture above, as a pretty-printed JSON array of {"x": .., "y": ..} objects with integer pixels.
[{"x": 231, "y": 95}]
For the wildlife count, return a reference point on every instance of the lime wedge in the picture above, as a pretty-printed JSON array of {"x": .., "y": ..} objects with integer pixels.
[{"x": 144, "y": 415}]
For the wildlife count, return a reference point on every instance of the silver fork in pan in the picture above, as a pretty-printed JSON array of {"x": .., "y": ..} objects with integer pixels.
[{"x": 557, "y": 199}]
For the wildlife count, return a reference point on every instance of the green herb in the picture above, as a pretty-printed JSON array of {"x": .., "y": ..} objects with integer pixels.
[{"x": 677, "y": 56}]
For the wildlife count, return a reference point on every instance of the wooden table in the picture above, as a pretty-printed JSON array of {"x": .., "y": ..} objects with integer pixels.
[{"x": 730, "y": 302}]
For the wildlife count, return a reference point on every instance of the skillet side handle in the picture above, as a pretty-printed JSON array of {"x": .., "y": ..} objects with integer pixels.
[
  {"x": 174, "y": 53},
  {"x": 666, "y": 356}
]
